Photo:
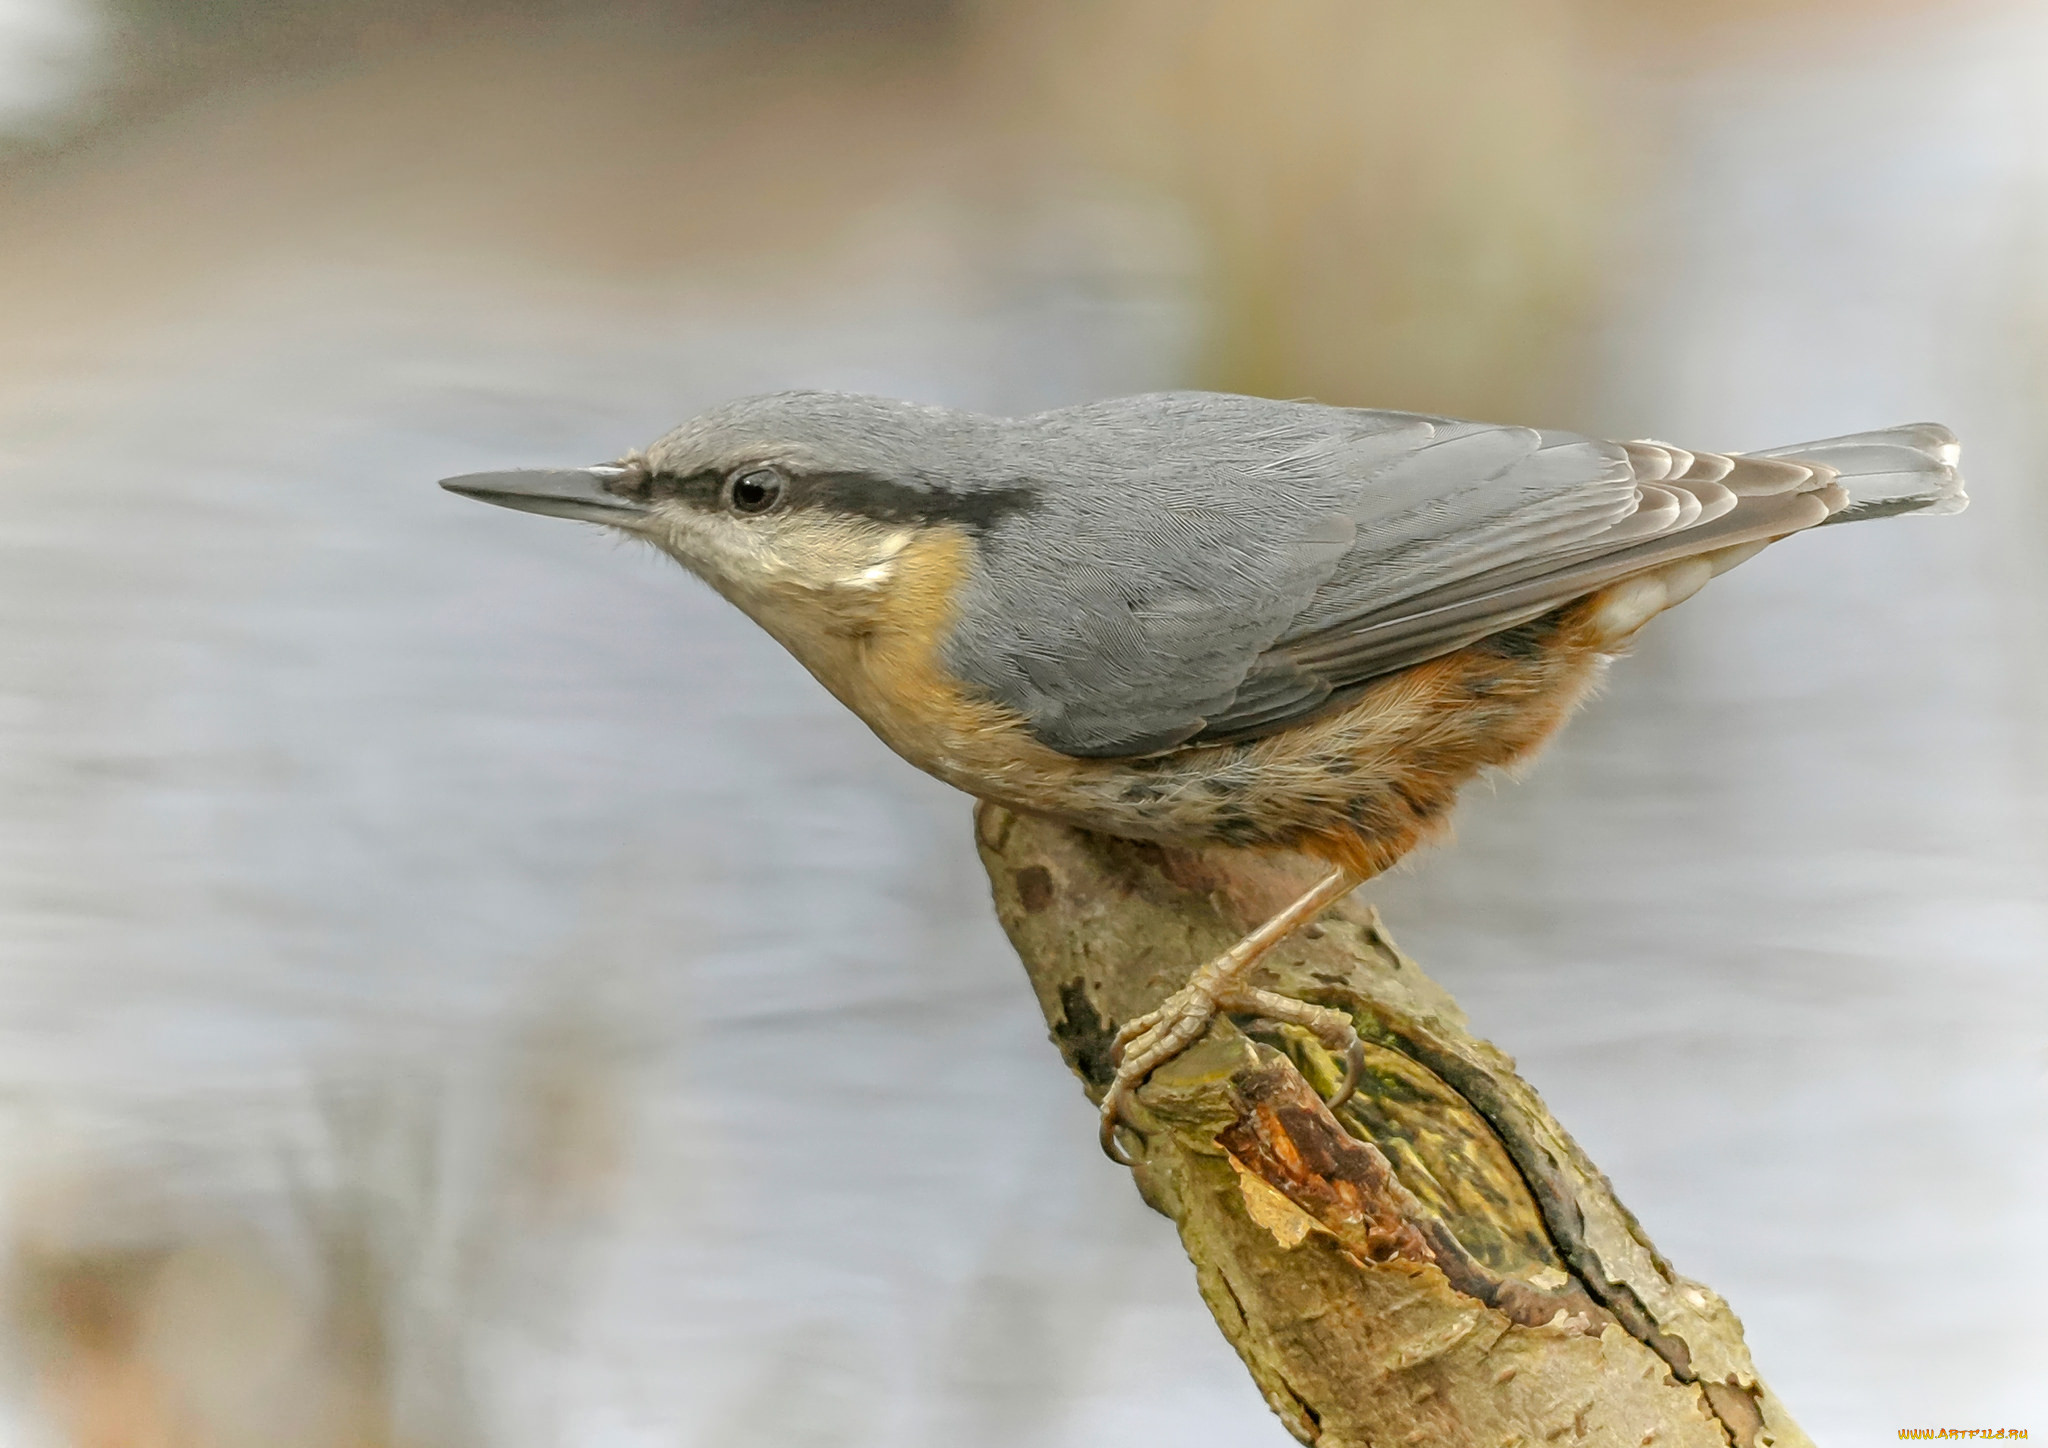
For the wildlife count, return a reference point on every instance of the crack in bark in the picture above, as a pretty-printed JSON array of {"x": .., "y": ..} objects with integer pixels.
[{"x": 1555, "y": 1194}]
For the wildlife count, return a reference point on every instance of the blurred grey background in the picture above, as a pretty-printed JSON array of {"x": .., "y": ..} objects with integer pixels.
[{"x": 461, "y": 985}]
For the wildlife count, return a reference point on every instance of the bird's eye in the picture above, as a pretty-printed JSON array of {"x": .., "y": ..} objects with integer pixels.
[{"x": 755, "y": 490}]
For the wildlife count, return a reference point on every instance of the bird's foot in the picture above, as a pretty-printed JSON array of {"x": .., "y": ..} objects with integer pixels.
[{"x": 1153, "y": 1039}]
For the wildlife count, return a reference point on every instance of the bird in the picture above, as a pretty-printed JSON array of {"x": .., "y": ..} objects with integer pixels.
[{"x": 1205, "y": 619}]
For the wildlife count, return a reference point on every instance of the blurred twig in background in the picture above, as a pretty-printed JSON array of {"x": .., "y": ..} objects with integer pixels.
[{"x": 1400, "y": 205}]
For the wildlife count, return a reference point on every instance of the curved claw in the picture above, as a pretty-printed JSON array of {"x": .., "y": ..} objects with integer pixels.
[
  {"x": 1112, "y": 1113},
  {"x": 1354, "y": 1067}
]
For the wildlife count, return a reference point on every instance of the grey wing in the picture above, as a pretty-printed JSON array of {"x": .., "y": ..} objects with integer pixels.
[
  {"x": 1260, "y": 557},
  {"x": 1363, "y": 625}
]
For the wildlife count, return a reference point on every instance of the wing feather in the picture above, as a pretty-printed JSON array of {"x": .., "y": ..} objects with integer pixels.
[
  {"x": 1676, "y": 516},
  {"x": 1434, "y": 624}
]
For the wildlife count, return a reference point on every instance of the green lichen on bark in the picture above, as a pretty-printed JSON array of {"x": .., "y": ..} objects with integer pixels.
[{"x": 1438, "y": 1263}]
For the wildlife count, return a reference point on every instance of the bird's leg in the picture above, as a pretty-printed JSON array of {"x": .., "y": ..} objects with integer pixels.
[{"x": 1159, "y": 1035}]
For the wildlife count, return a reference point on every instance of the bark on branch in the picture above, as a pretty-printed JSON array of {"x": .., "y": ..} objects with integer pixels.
[{"x": 1437, "y": 1263}]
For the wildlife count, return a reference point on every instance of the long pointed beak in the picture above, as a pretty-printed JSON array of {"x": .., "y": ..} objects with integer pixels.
[{"x": 579, "y": 493}]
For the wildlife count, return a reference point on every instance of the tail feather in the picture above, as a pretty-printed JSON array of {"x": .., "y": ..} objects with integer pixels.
[{"x": 1910, "y": 469}]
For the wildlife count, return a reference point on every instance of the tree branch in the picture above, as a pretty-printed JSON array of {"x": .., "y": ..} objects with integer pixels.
[{"x": 1436, "y": 1263}]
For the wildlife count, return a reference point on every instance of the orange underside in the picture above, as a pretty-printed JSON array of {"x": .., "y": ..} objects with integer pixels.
[{"x": 1488, "y": 706}]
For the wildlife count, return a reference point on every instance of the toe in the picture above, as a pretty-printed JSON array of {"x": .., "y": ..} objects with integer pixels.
[{"x": 1120, "y": 1043}]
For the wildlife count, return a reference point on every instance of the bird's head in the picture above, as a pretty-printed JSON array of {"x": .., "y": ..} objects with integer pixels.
[{"x": 806, "y": 509}]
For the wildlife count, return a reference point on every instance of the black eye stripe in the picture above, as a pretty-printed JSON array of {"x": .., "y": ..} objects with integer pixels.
[
  {"x": 861, "y": 495},
  {"x": 884, "y": 500}
]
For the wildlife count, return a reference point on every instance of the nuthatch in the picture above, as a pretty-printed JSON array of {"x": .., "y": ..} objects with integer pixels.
[{"x": 1197, "y": 619}]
